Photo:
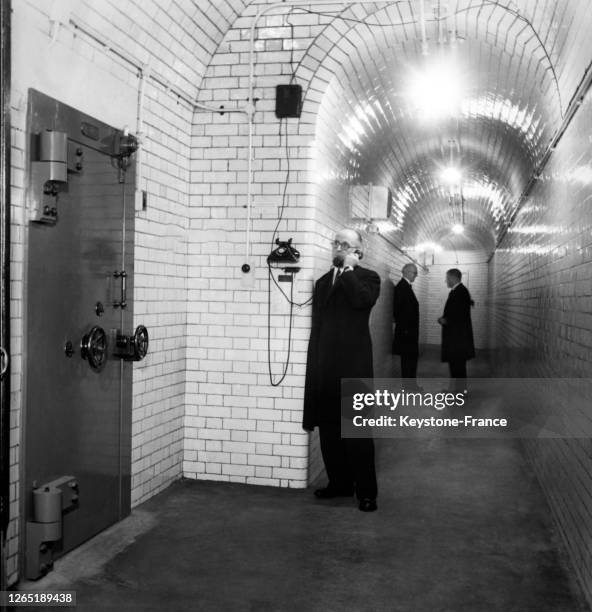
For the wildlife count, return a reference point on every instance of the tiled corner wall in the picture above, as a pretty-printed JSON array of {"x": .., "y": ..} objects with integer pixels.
[
  {"x": 541, "y": 296},
  {"x": 238, "y": 427},
  {"x": 176, "y": 40}
]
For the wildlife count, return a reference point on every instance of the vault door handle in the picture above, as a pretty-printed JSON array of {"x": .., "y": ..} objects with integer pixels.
[
  {"x": 122, "y": 303},
  {"x": 3, "y": 361}
]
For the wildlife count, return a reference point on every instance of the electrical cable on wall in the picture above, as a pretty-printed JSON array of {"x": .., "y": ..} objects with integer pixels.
[
  {"x": 283, "y": 142},
  {"x": 283, "y": 206},
  {"x": 286, "y": 181},
  {"x": 286, "y": 365},
  {"x": 292, "y": 68},
  {"x": 271, "y": 276}
]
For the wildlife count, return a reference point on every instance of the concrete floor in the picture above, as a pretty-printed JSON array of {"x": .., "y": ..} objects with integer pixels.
[{"x": 462, "y": 526}]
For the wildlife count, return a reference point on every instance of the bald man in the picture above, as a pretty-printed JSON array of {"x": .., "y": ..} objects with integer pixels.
[
  {"x": 340, "y": 347},
  {"x": 406, "y": 316}
]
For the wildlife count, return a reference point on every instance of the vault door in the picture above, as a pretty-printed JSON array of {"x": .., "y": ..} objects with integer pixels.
[{"x": 78, "y": 404}]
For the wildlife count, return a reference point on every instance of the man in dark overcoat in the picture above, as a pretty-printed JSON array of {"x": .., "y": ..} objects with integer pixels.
[
  {"x": 406, "y": 317},
  {"x": 457, "y": 329},
  {"x": 340, "y": 347}
]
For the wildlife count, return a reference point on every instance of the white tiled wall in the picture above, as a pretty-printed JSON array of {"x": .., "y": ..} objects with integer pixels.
[{"x": 541, "y": 291}]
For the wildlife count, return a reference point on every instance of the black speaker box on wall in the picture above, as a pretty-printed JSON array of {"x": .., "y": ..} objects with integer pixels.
[{"x": 288, "y": 101}]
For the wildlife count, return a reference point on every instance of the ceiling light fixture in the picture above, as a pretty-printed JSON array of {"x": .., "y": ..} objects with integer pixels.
[
  {"x": 437, "y": 91},
  {"x": 458, "y": 229},
  {"x": 451, "y": 175},
  {"x": 427, "y": 247}
]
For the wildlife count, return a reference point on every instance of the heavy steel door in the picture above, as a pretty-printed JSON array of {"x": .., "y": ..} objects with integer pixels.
[{"x": 78, "y": 392}]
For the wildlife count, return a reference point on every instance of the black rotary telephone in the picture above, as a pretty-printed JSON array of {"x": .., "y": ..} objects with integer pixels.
[{"x": 284, "y": 253}]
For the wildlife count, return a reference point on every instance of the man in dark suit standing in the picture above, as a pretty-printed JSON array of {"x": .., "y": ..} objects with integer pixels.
[
  {"x": 340, "y": 347},
  {"x": 457, "y": 329},
  {"x": 406, "y": 316}
]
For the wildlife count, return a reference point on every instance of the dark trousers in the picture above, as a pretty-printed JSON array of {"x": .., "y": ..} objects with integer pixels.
[
  {"x": 349, "y": 462},
  {"x": 458, "y": 373},
  {"x": 409, "y": 365}
]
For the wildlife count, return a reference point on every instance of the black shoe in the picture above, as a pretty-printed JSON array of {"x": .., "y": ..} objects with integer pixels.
[
  {"x": 329, "y": 493},
  {"x": 368, "y": 505}
]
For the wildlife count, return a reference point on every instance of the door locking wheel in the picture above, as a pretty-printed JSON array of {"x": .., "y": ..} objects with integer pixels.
[
  {"x": 93, "y": 348},
  {"x": 140, "y": 342}
]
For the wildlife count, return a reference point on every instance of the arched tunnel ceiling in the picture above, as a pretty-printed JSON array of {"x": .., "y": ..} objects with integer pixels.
[{"x": 518, "y": 67}]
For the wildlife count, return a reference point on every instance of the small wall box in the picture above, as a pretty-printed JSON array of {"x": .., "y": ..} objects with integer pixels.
[
  {"x": 288, "y": 101},
  {"x": 370, "y": 202}
]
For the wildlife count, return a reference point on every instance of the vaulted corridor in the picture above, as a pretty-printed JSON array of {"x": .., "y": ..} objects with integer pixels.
[{"x": 176, "y": 175}]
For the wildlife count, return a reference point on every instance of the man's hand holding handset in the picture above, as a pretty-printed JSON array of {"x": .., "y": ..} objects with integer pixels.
[{"x": 351, "y": 260}]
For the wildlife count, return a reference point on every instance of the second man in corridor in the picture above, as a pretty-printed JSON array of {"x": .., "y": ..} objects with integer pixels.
[
  {"x": 406, "y": 316},
  {"x": 457, "y": 329}
]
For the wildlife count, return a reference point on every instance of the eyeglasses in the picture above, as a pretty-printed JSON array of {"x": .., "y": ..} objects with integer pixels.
[{"x": 343, "y": 246}]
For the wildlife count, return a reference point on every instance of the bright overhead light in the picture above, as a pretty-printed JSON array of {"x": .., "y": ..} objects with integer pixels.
[
  {"x": 437, "y": 91},
  {"x": 457, "y": 228},
  {"x": 428, "y": 247},
  {"x": 451, "y": 175}
]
